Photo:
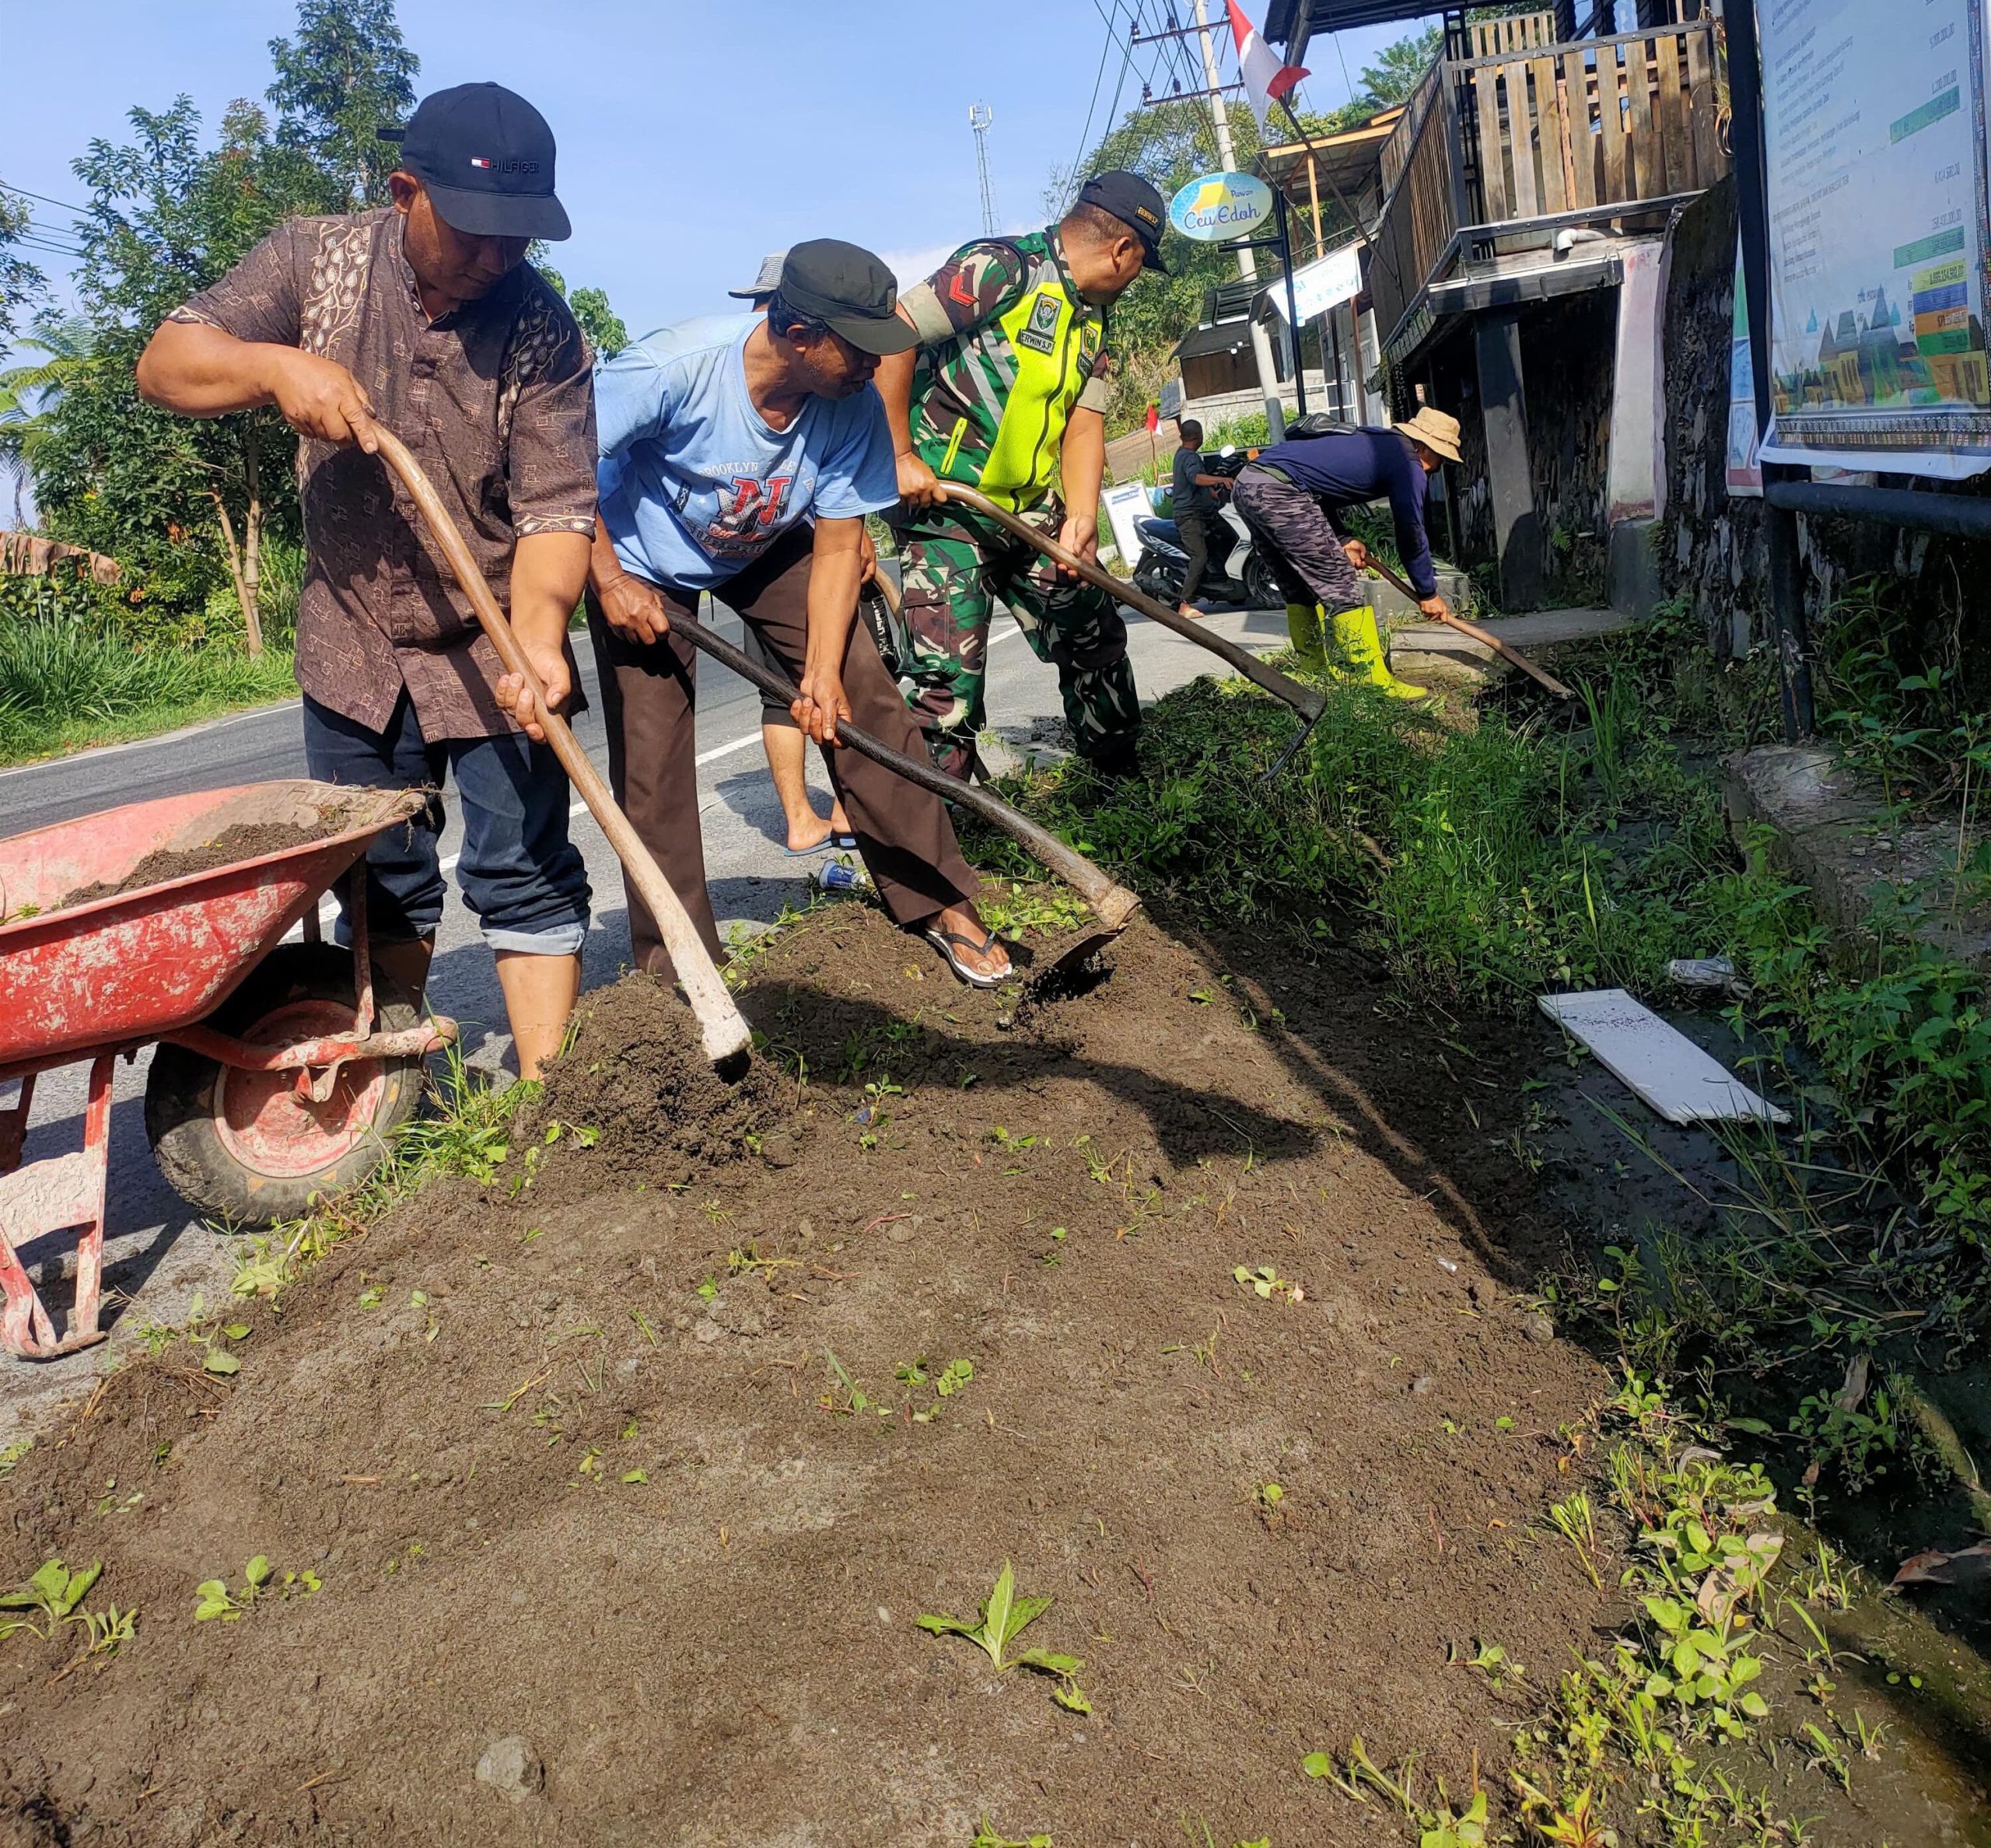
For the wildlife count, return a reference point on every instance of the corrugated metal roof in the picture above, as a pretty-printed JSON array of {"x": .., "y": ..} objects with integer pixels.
[
  {"x": 1226, "y": 337},
  {"x": 1284, "y": 18}
]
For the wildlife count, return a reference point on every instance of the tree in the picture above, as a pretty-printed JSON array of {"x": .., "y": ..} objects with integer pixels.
[
  {"x": 345, "y": 76},
  {"x": 602, "y": 325},
  {"x": 175, "y": 496},
  {"x": 21, "y": 283},
  {"x": 1168, "y": 143},
  {"x": 28, "y": 393},
  {"x": 606, "y": 334},
  {"x": 1399, "y": 69}
]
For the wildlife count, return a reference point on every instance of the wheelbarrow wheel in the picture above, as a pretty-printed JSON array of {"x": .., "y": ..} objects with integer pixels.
[{"x": 241, "y": 1145}]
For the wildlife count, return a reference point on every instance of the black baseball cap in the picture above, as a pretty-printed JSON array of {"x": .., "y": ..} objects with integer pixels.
[
  {"x": 849, "y": 289},
  {"x": 486, "y": 156},
  {"x": 1135, "y": 204}
]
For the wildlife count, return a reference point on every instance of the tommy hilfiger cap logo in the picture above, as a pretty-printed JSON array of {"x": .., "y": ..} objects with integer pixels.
[{"x": 504, "y": 166}]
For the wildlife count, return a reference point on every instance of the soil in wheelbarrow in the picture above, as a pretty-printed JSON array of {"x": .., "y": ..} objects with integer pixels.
[
  {"x": 628, "y": 1475},
  {"x": 241, "y": 841}
]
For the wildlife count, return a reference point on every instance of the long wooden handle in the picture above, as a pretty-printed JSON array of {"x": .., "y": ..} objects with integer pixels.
[
  {"x": 1304, "y": 700},
  {"x": 1480, "y": 635},
  {"x": 727, "y": 1036},
  {"x": 1112, "y": 904}
]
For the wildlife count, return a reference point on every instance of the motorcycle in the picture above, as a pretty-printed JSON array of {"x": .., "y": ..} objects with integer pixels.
[{"x": 1164, "y": 565}]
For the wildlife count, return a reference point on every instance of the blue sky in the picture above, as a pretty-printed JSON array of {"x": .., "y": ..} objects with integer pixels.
[{"x": 693, "y": 137}]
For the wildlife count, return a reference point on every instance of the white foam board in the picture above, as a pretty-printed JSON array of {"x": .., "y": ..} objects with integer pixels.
[{"x": 1665, "y": 1068}]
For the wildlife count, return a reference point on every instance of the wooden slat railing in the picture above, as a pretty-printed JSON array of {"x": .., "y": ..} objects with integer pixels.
[
  {"x": 1600, "y": 122},
  {"x": 1492, "y": 38},
  {"x": 1543, "y": 130}
]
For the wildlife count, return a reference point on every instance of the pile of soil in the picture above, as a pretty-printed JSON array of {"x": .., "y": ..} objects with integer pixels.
[
  {"x": 240, "y": 840},
  {"x": 627, "y": 1483}
]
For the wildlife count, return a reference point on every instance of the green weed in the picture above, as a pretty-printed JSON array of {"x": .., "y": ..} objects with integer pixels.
[
  {"x": 214, "y": 1602},
  {"x": 1004, "y": 1617}
]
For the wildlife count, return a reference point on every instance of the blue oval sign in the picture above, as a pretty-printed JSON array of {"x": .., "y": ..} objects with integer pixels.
[{"x": 1218, "y": 206}]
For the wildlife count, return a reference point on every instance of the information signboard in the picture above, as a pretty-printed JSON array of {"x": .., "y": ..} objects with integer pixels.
[
  {"x": 1874, "y": 122},
  {"x": 1325, "y": 284}
]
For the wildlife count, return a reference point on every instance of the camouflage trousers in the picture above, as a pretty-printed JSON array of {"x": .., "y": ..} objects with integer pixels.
[{"x": 956, "y": 570}]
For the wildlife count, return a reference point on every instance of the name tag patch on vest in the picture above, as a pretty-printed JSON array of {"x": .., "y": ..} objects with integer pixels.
[{"x": 1041, "y": 336}]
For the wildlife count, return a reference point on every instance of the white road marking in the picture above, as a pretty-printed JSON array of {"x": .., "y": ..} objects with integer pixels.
[{"x": 328, "y": 906}]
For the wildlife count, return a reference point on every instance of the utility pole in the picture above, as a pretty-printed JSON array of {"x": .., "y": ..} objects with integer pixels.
[
  {"x": 1247, "y": 266},
  {"x": 979, "y": 116}
]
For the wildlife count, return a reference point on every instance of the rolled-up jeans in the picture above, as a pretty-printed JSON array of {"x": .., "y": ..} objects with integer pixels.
[{"x": 518, "y": 871}]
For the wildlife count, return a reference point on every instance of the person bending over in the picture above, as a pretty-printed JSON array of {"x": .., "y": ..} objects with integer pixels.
[
  {"x": 425, "y": 315},
  {"x": 741, "y": 456},
  {"x": 1007, "y": 389},
  {"x": 1292, "y": 497},
  {"x": 781, "y": 737}
]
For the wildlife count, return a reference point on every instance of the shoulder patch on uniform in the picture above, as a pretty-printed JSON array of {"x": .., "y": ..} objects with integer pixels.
[{"x": 1039, "y": 334}]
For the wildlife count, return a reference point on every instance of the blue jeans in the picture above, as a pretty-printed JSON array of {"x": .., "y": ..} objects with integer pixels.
[{"x": 520, "y": 873}]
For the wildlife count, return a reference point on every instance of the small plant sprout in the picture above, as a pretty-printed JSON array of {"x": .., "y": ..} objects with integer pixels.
[
  {"x": 988, "y": 1836},
  {"x": 54, "y": 1592},
  {"x": 1265, "y": 1283},
  {"x": 1491, "y": 1660},
  {"x": 845, "y": 1397},
  {"x": 1005, "y": 1617},
  {"x": 259, "y": 1580},
  {"x": 1576, "y": 1520},
  {"x": 1270, "y": 1497}
]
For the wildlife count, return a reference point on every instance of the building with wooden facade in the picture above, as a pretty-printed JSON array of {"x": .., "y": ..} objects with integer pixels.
[{"x": 1516, "y": 223}]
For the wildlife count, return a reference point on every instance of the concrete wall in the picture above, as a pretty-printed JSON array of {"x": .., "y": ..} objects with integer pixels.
[{"x": 1568, "y": 350}]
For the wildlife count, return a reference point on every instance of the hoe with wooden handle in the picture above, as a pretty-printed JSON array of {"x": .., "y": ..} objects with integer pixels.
[
  {"x": 1112, "y": 904},
  {"x": 728, "y": 1040},
  {"x": 1305, "y": 700},
  {"x": 1486, "y": 636}
]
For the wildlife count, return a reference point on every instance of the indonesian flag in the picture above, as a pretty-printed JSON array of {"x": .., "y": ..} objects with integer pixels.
[
  {"x": 1266, "y": 80},
  {"x": 1154, "y": 418}
]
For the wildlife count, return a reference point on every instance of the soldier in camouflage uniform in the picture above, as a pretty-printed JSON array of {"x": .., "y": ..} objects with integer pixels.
[{"x": 1007, "y": 388}]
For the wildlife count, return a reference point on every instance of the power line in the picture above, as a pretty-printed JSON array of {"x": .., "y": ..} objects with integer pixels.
[
  {"x": 80, "y": 210},
  {"x": 1085, "y": 133}
]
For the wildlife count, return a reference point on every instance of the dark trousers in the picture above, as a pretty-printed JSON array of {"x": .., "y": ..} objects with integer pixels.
[
  {"x": 520, "y": 873},
  {"x": 649, "y": 702},
  {"x": 1208, "y": 539},
  {"x": 1296, "y": 539}
]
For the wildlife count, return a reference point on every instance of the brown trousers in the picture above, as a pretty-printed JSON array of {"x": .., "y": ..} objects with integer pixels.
[{"x": 650, "y": 699}]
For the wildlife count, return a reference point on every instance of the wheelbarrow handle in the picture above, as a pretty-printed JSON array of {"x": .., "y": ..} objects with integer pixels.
[
  {"x": 1304, "y": 700},
  {"x": 1479, "y": 635},
  {"x": 727, "y": 1036},
  {"x": 1112, "y": 904}
]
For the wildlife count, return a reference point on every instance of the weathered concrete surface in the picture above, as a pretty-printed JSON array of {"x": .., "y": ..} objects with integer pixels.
[
  {"x": 1832, "y": 832},
  {"x": 1391, "y": 605},
  {"x": 1419, "y": 649}
]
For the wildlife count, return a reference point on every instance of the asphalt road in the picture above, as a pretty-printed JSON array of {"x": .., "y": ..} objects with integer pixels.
[{"x": 158, "y": 1253}]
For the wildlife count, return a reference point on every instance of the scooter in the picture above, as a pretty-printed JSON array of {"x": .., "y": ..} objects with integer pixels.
[{"x": 1164, "y": 565}]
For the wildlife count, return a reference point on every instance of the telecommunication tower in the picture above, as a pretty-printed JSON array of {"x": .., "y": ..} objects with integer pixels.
[{"x": 979, "y": 116}]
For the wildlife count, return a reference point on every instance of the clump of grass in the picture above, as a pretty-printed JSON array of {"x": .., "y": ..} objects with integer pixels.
[
  {"x": 65, "y": 682},
  {"x": 1514, "y": 861}
]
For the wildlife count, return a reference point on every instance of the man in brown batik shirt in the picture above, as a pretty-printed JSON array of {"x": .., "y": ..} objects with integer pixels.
[{"x": 425, "y": 315}]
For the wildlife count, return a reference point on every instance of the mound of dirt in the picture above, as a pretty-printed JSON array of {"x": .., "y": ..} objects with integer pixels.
[
  {"x": 237, "y": 841},
  {"x": 638, "y": 1078},
  {"x": 626, "y": 1497}
]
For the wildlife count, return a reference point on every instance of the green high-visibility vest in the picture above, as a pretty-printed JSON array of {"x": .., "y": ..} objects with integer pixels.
[{"x": 990, "y": 406}]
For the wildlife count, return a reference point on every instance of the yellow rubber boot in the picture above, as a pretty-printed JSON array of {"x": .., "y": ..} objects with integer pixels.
[
  {"x": 1363, "y": 661},
  {"x": 1303, "y": 626}
]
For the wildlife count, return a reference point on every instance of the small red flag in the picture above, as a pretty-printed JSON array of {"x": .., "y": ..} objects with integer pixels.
[{"x": 1154, "y": 418}]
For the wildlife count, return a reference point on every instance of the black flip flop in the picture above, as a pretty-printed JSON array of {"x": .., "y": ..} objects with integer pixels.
[{"x": 944, "y": 942}]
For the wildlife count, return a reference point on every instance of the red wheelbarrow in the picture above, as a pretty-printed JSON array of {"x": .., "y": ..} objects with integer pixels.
[{"x": 281, "y": 1068}]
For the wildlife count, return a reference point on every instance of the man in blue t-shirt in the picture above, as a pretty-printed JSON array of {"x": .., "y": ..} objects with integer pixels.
[
  {"x": 1290, "y": 497},
  {"x": 740, "y": 457}
]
